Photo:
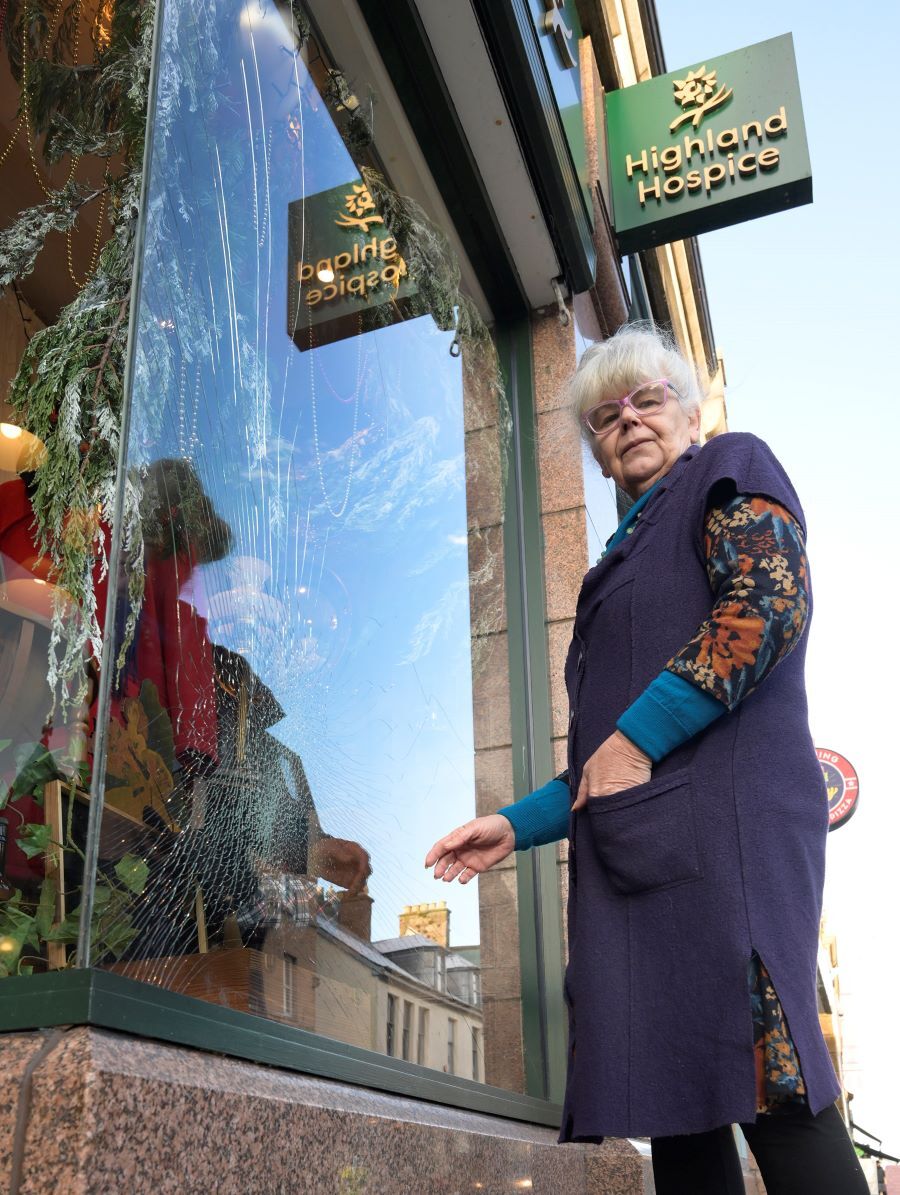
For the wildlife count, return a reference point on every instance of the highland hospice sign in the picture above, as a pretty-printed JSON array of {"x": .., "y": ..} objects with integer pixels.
[
  {"x": 716, "y": 144},
  {"x": 345, "y": 271}
]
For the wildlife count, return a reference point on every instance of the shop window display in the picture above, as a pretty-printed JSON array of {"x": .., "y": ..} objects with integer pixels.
[{"x": 307, "y": 625}]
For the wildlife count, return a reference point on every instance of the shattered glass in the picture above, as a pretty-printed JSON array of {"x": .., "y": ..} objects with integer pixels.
[{"x": 314, "y": 516}]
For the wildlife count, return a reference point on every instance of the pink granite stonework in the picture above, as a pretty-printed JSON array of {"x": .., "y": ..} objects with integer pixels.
[{"x": 109, "y": 1113}]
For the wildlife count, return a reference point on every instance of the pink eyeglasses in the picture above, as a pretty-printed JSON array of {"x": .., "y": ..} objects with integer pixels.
[{"x": 646, "y": 399}]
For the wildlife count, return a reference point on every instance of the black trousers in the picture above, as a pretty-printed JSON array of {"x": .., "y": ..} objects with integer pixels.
[{"x": 797, "y": 1154}]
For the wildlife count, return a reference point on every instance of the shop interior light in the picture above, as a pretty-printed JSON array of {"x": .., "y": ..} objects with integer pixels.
[
  {"x": 19, "y": 449},
  {"x": 325, "y": 274}
]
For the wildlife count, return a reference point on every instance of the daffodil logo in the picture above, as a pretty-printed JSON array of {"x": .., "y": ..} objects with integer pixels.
[{"x": 697, "y": 93}]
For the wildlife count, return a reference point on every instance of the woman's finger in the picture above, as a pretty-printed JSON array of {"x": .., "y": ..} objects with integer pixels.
[
  {"x": 450, "y": 842},
  {"x": 454, "y": 870},
  {"x": 443, "y": 863}
]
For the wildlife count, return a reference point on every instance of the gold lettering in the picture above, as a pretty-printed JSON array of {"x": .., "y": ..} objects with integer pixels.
[
  {"x": 747, "y": 164},
  {"x": 631, "y": 165},
  {"x": 709, "y": 141},
  {"x": 713, "y": 176},
  {"x": 754, "y": 128},
  {"x": 689, "y": 145},
  {"x": 369, "y": 249},
  {"x": 329, "y": 292},
  {"x": 693, "y": 180},
  {"x": 644, "y": 191},
  {"x": 769, "y": 159},
  {"x": 388, "y": 248},
  {"x": 304, "y": 271},
  {"x": 670, "y": 158},
  {"x": 776, "y": 125},
  {"x": 356, "y": 285},
  {"x": 673, "y": 186},
  {"x": 313, "y": 296},
  {"x": 727, "y": 139},
  {"x": 342, "y": 260}
]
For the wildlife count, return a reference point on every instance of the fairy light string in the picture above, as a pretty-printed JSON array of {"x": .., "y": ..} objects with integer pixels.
[{"x": 25, "y": 120}]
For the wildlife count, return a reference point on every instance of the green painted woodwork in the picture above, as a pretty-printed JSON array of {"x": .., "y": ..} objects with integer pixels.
[
  {"x": 544, "y": 1021},
  {"x": 108, "y": 1001}
]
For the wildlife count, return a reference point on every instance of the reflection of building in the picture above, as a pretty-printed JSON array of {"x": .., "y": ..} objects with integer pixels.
[{"x": 407, "y": 997}]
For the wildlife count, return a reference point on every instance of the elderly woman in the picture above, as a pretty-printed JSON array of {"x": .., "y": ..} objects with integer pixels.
[{"x": 693, "y": 803}]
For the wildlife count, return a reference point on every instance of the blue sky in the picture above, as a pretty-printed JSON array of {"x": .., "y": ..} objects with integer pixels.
[{"x": 805, "y": 311}]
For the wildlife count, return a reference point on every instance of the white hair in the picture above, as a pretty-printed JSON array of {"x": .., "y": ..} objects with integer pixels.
[{"x": 638, "y": 352}]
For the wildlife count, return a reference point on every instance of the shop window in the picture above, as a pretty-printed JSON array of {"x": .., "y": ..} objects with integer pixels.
[{"x": 309, "y": 659}]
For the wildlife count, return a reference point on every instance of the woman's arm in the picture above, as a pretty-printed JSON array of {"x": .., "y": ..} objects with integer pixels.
[
  {"x": 759, "y": 574},
  {"x": 542, "y": 816}
]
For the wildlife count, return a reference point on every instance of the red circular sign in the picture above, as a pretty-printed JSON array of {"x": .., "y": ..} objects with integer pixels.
[{"x": 842, "y": 784}]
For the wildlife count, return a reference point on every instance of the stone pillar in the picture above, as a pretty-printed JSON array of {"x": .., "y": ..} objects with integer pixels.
[{"x": 563, "y": 519}]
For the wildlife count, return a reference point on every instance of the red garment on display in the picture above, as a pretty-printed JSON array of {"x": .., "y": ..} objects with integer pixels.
[
  {"x": 174, "y": 652},
  {"x": 172, "y": 645}
]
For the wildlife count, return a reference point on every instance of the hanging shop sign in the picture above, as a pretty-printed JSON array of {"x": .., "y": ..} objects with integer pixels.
[
  {"x": 718, "y": 143},
  {"x": 345, "y": 271},
  {"x": 842, "y": 784}
]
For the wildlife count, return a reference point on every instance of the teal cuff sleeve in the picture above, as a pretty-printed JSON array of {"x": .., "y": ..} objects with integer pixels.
[
  {"x": 669, "y": 712},
  {"x": 541, "y": 817}
]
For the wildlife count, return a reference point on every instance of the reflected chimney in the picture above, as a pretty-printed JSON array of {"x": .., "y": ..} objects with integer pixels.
[
  {"x": 355, "y": 914},
  {"x": 432, "y": 920}
]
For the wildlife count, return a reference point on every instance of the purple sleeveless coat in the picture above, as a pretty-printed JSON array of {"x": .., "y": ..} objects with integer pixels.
[{"x": 674, "y": 883}]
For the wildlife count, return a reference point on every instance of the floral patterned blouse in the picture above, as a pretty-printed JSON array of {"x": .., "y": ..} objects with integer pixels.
[{"x": 757, "y": 566}]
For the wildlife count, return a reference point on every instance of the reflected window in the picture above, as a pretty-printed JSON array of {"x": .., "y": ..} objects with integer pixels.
[
  {"x": 289, "y": 962},
  {"x": 407, "y": 1029},
  {"x": 451, "y": 1046},
  {"x": 391, "y": 1024},
  {"x": 422, "y": 1038}
]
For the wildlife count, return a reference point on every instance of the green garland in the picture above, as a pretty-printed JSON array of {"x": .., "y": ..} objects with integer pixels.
[{"x": 68, "y": 389}]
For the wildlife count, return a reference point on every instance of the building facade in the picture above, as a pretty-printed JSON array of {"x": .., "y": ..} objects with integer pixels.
[{"x": 293, "y": 524}]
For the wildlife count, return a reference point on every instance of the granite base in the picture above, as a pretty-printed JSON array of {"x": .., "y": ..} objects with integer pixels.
[{"x": 86, "y": 1111}]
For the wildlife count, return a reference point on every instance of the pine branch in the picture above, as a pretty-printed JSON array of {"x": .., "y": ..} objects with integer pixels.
[{"x": 23, "y": 240}]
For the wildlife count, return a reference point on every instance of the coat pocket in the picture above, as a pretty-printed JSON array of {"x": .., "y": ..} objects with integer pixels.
[{"x": 645, "y": 837}]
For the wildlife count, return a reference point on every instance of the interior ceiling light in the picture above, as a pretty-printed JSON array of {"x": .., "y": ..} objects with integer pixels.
[{"x": 20, "y": 451}]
